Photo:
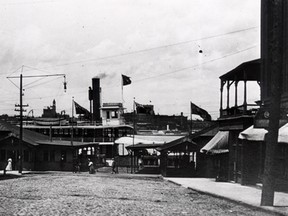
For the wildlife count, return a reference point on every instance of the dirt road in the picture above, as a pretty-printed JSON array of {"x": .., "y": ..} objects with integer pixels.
[{"x": 60, "y": 193}]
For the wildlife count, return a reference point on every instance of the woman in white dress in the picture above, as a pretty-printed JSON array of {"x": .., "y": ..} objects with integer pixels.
[{"x": 9, "y": 165}]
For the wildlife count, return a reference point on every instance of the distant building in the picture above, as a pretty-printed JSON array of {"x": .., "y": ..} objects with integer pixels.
[
  {"x": 146, "y": 122},
  {"x": 50, "y": 111},
  {"x": 112, "y": 114}
]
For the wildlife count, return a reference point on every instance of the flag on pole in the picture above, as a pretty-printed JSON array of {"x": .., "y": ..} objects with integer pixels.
[
  {"x": 126, "y": 80},
  {"x": 81, "y": 110},
  {"x": 201, "y": 112}
]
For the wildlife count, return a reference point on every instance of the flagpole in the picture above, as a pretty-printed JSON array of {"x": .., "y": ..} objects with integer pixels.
[
  {"x": 122, "y": 90},
  {"x": 191, "y": 125},
  {"x": 134, "y": 128},
  {"x": 72, "y": 128}
]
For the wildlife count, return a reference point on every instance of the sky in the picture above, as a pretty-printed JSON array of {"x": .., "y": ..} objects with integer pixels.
[{"x": 156, "y": 43}]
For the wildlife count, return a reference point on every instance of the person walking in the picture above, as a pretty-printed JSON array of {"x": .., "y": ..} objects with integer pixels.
[
  {"x": 91, "y": 167},
  {"x": 113, "y": 166}
]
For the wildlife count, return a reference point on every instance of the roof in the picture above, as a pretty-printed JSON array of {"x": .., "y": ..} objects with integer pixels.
[
  {"x": 65, "y": 143},
  {"x": 181, "y": 144},
  {"x": 146, "y": 141},
  {"x": 218, "y": 144},
  {"x": 35, "y": 138},
  {"x": 111, "y": 108},
  {"x": 146, "y": 146},
  {"x": 212, "y": 130},
  {"x": 30, "y": 137},
  {"x": 79, "y": 126},
  {"x": 246, "y": 71}
]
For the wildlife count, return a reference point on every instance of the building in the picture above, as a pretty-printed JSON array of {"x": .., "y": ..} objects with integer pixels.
[
  {"x": 112, "y": 114},
  {"x": 40, "y": 152},
  {"x": 225, "y": 149},
  {"x": 274, "y": 61},
  {"x": 150, "y": 122}
]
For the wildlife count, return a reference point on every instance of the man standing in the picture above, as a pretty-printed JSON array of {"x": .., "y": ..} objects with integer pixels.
[{"x": 113, "y": 166}]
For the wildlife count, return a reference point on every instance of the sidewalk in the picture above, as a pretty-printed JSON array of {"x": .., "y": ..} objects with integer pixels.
[{"x": 245, "y": 194}]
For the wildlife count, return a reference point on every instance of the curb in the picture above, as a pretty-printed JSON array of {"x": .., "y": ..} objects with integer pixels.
[
  {"x": 265, "y": 209},
  {"x": 262, "y": 208}
]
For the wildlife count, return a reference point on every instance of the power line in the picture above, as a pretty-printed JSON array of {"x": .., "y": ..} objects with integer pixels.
[
  {"x": 171, "y": 72},
  {"x": 137, "y": 51},
  {"x": 152, "y": 49},
  {"x": 197, "y": 65},
  {"x": 30, "y": 2}
]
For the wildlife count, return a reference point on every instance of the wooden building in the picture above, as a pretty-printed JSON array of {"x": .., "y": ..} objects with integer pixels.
[
  {"x": 42, "y": 153},
  {"x": 225, "y": 149},
  {"x": 274, "y": 59}
]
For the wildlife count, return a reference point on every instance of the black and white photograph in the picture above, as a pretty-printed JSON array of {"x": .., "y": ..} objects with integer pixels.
[{"x": 144, "y": 107}]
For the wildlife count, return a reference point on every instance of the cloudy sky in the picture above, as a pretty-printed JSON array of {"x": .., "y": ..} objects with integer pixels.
[{"x": 155, "y": 42}]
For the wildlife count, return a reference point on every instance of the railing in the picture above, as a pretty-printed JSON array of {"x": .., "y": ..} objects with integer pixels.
[{"x": 249, "y": 109}]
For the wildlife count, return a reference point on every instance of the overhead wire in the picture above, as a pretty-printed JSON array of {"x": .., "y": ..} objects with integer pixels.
[
  {"x": 146, "y": 50},
  {"x": 175, "y": 71},
  {"x": 30, "y": 2},
  {"x": 151, "y": 49}
]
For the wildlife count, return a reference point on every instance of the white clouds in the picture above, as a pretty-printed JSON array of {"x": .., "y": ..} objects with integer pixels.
[{"x": 76, "y": 33}]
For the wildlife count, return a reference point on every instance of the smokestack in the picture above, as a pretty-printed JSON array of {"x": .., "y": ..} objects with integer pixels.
[{"x": 96, "y": 99}]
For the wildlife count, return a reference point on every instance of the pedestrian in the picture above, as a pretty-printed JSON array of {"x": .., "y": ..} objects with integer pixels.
[
  {"x": 91, "y": 167},
  {"x": 9, "y": 166},
  {"x": 113, "y": 166},
  {"x": 76, "y": 165}
]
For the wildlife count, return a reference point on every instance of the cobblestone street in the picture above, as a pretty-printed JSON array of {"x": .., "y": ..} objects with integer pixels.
[{"x": 63, "y": 193}]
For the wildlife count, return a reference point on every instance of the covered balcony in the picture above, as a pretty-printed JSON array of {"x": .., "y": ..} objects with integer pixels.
[{"x": 247, "y": 71}]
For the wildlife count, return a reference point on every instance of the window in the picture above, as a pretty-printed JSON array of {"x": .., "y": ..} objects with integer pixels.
[
  {"x": 66, "y": 131},
  {"x": 114, "y": 114},
  {"x": 52, "y": 155},
  {"x": 45, "y": 155},
  {"x": 26, "y": 156},
  {"x": 63, "y": 156},
  {"x": 2, "y": 155}
]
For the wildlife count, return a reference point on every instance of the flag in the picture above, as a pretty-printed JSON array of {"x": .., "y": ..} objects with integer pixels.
[
  {"x": 144, "y": 109},
  {"x": 81, "y": 110},
  {"x": 126, "y": 80},
  {"x": 199, "y": 111}
]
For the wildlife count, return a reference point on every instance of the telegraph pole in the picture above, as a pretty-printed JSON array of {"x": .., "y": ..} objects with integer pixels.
[
  {"x": 21, "y": 124},
  {"x": 272, "y": 57},
  {"x": 21, "y": 109},
  {"x": 133, "y": 140}
]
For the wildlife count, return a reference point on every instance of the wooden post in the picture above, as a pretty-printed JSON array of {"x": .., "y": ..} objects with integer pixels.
[
  {"x": 221, "y": 96},
  {"x": 236, "y": 93},
  {"x": 228, "y": 93}
]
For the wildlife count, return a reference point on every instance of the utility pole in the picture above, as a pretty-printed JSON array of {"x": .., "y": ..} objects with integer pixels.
[
  {"x": 72, "y": 122},
  {"x": 272, "y": 57},
  {"x": 133, "y": 139},
  {"x": 21, "y": 109}
]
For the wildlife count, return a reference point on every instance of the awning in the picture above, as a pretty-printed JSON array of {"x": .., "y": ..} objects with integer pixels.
[
  {"x": 218, "y": 144},
  {"x": 258, "y": 134},
  {"x": 253, "y": 134},
  {"x": 283, "y": 134}
]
